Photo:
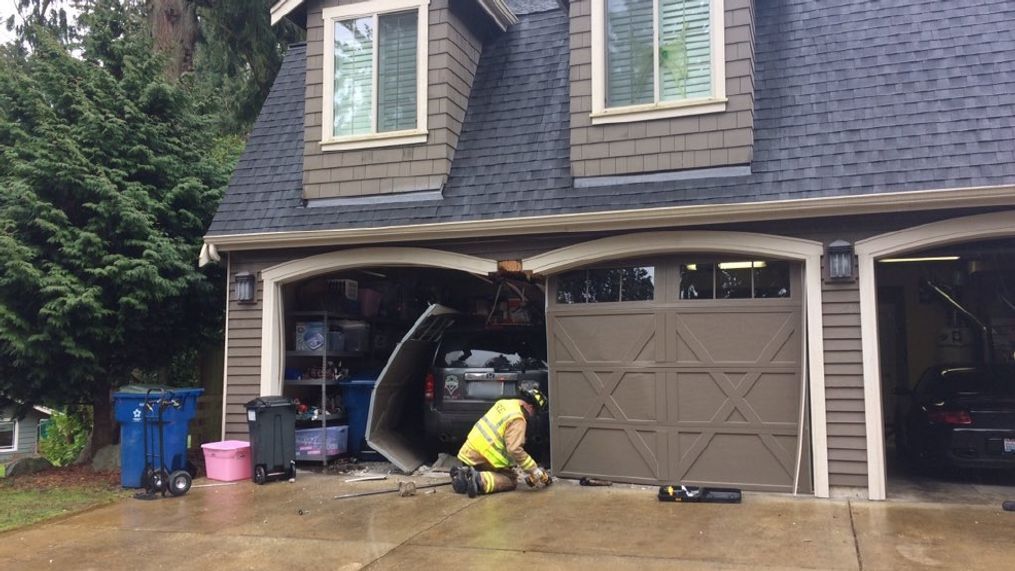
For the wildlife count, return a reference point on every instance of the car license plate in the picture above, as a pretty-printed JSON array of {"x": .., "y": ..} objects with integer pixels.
[{"x": 1009, "y": 445}]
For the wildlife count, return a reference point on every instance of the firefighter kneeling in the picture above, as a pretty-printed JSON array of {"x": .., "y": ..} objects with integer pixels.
[{"x": 495, "y": 444}]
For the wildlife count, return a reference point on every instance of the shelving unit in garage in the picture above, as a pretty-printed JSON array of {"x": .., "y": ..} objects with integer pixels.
[{"x": 313, "y": 339}]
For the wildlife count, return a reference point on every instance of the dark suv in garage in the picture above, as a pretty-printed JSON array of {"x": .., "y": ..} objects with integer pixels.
[{"x": 475, "y": 366}]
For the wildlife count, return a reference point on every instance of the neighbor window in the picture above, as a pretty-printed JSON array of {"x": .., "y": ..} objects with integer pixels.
[
  {"x": 374, "y": 74},
  {"x": 657, "y": 58},
  {"x": 602, "y": 285},
  {"x": 8, "y": 435}
]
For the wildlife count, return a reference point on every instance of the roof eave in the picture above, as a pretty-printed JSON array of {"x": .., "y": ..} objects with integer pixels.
[
  {"x": 283, "y": 8},
  {"x": 497, "y": 10}
]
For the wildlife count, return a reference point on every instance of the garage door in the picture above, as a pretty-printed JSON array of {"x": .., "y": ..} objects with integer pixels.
[{"x": 684, "y": 370}]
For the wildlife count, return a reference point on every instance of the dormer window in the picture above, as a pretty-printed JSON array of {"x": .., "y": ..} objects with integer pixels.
[
  {"x": 375, "y": 74},
  {"x": 653, "y": 59}
]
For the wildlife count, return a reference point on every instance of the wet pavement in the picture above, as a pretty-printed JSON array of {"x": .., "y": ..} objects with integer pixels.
[{"x": 244, "y": 526}]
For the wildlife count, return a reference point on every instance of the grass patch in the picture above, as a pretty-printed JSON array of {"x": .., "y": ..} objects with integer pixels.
[{"x": 37, "y": 497}]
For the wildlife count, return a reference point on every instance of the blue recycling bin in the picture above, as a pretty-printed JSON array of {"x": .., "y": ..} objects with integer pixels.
[
  {"x": 129, "y": 411},
  {"x": 356, "y": 393}
]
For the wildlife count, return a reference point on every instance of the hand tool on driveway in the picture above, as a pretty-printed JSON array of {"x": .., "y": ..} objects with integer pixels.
[{"x": 404, "y": 489}]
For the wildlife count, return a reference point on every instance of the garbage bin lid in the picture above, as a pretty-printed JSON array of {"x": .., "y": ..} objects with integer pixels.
[
  {"x": 141, "y": 389},
  {"x": 269, "y": 402}
]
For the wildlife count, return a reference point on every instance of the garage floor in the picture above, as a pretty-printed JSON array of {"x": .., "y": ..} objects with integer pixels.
[
  {"x": 961, "y": 487},
  {"x": 248, "y": 527}
]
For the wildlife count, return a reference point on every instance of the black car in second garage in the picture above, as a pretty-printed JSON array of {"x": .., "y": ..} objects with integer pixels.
[
  {"x": 960, "y": 416},
  {"x": 475, "y": 366}
]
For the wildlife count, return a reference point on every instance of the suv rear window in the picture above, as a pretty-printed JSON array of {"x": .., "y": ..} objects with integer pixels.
[{"x": 493, "y": 349}]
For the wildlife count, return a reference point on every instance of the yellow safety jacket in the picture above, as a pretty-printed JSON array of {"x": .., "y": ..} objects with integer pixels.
[{"x": 487, "y": 438}]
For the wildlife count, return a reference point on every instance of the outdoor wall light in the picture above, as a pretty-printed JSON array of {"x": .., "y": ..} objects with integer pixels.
[
  {"x": 839, "y": 260},
  {"x": 244, "y": 287}
]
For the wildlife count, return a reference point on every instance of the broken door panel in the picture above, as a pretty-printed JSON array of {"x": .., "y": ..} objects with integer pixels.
[{"x": 399, "y": 387}]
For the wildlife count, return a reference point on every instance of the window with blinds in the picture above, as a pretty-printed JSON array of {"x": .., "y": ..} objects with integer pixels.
[
  {"x": 657, "y": 51},
  {"x": 375, "y": 81}
]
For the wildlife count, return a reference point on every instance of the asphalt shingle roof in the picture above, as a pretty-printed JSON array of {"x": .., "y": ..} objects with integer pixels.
[{"x": 857, "y": 98}]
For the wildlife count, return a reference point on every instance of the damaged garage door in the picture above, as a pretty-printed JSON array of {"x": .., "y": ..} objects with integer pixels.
[
  {"x": 399, "y": 388},
  {"x": 679, "y": 371}
]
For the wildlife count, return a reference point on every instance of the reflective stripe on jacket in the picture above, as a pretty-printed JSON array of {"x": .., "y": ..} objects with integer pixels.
[{"x": 492, "y": 440}]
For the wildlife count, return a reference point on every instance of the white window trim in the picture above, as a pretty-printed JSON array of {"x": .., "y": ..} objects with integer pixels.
[
  {"x": 14, "y": 446},
  {"x": 374, "y": 140},
  {"x": 716, "y": 103}
]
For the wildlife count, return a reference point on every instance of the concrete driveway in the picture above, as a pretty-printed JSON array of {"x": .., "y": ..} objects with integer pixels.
[{"x": 244, "y": 526}]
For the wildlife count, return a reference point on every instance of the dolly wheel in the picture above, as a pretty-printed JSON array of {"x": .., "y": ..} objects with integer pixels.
[
  {"x": 159, "y": 480},
  {"x": 179, "y": 482},
  {"x": 260, "y": 474}
]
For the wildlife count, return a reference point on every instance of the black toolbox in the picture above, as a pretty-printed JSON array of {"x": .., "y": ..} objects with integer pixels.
[{"x": 694, "y": 494}]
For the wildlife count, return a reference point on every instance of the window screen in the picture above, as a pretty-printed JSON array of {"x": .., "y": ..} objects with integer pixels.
[
  {"x": 393, "y": 46},
  {"x": 682, "y": 32}
]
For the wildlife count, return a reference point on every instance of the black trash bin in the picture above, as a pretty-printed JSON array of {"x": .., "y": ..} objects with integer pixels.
[{"x": 272, "y": 422}]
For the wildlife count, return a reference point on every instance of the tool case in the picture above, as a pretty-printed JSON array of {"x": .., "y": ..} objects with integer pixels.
[{"x": 694, "y": 494}]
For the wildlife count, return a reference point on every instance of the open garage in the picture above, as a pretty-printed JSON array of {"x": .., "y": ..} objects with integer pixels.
[{"x": 946, "y": 330}]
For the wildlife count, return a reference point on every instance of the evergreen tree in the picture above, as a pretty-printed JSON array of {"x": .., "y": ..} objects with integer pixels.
[
  {"x": 109, "y": 177},
  {"x": 238, "y": 55}
]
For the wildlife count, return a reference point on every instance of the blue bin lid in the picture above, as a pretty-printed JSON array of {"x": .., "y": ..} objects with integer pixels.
[{"x": 140, "y": 391}]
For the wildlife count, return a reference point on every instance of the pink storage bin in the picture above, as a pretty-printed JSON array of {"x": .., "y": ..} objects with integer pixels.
[{"x": 228, "y": 461}]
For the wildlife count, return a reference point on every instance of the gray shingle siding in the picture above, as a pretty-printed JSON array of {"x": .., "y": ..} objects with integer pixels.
[{"x": 855, "y": 98}]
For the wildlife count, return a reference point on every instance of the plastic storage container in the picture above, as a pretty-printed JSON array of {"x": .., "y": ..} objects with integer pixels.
[
  {"x": 272, "y": 423},
  {"x": 356, "y": 336},
  {"x": 356, "y": 394},
  {"x": 310, "y": 335},
  {"x": 309, "y": 441},
  {"x": 128, "y": 409},
  {"x": 228, "y": 461}
]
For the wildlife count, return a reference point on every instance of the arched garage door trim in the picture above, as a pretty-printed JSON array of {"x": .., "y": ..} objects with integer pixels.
[
  {"x": 273, "y": 343},
  {"x": 934, "y": 234},
  {"x": 671, "y": 242}
]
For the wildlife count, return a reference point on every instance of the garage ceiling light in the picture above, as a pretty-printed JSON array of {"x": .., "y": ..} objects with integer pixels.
[
  {"x": 741, "y": 265},
  {"x": 924, "y": 259}
]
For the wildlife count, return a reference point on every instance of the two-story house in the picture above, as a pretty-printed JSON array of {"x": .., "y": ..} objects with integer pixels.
[{"x": 716, "y": 204}]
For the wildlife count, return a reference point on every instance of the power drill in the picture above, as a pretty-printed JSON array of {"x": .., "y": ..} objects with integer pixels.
[{"x": 543, "y": 479}]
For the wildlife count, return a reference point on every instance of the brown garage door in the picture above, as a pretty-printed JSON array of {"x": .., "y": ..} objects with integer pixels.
[{"x": 686, "y": 371}]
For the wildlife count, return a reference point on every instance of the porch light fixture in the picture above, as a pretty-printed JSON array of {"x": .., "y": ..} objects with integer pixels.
[
  {"x": 243, "y": 288},
  {"x": 839, "y": 259}
]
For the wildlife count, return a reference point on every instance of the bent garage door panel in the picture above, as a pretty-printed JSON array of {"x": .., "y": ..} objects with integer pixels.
[{"x": 704, "y": 392}]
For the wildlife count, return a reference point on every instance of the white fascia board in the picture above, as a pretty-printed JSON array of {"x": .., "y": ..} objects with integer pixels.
[
  {"x": 661, "y": 217},
  {"x": 283, "y": 8}
]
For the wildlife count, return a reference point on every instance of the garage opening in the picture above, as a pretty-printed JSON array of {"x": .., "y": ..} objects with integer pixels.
[
  {"x": 429, "y": 348},
  {"x": 946, "y": 329},
  {"x": 680, "y": 369}
]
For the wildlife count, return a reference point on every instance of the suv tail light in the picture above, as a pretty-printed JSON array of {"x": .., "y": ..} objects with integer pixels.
[
  {"x": 950, "y": 417},
  {"x": 428, "y": 387}
]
